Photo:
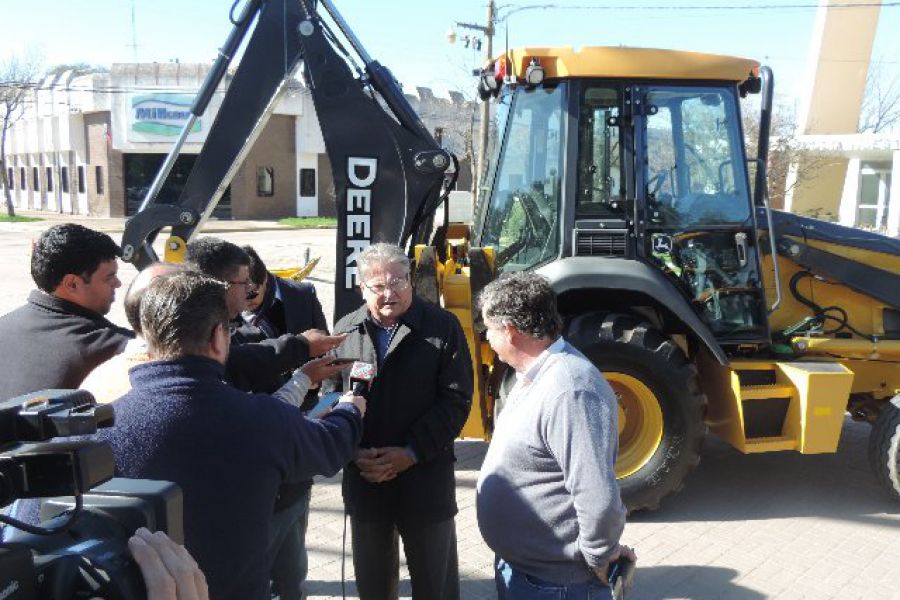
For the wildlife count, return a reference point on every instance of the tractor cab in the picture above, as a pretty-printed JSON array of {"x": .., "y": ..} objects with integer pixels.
[{"x": 625, "y": 154}]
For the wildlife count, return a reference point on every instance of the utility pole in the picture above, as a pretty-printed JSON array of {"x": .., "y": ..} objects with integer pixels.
[
  {"x": 134, "y": 44},
  {"x": 486, "y": 104},
  {"x": 485, "y": 126}
]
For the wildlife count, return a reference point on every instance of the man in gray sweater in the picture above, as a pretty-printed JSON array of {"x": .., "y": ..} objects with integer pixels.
[{"x": 548, "y": 502}]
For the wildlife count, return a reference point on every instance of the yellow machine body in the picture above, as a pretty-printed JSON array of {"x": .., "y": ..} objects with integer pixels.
[{"x": 616, "y": 62}]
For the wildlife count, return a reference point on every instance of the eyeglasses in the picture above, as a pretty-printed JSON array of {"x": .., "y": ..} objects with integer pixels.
[
  {"x": 395, "y": 285},
  {"x": 252, "y": 288}
]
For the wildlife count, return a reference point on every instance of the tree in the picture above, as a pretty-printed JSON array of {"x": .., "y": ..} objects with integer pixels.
[
  {"x": 80, "y": 68},
  {"x": 881, "y": 102},
  {"x": 790, "y": 164},
  {"x": 17, "y": 76}
]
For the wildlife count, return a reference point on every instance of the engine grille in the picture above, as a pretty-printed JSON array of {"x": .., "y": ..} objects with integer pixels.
[{"x": 600, "y": 243}]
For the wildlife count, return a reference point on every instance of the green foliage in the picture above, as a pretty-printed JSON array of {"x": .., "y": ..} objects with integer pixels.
[
  {"x": 310, "y": 222},
  {"x": 18, "y": 219}
]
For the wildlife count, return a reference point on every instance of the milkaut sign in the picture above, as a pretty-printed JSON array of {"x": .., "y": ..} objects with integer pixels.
[{"x": 160, "y": 117}]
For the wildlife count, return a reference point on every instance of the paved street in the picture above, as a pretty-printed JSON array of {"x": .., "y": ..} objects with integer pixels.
[{"x": 745, "y": 528}]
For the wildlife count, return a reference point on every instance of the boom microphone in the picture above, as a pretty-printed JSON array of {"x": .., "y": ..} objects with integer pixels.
[{"x": 361, "y": 376}]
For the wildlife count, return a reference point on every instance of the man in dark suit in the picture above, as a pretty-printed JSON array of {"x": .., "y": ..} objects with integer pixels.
[
  {"x": 282, "y": 307},
  {"x": 60, "y": 334},
  {"x": 262, "y": 364},
  {"x": 402, "y": 481}
]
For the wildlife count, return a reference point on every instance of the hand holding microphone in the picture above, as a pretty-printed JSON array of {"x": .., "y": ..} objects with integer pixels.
[{"x": 361, "y": 376}]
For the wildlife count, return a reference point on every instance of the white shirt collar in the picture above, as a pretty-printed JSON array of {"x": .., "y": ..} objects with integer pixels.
[{"x": 529, "y": 375}]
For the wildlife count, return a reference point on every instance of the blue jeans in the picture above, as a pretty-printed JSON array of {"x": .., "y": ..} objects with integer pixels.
[
  {"x": 287, "y": 549},
  {"x": 513, "y": 584}
]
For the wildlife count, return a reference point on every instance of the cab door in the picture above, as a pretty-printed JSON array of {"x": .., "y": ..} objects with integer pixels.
[{"x": 694, "y": 207}]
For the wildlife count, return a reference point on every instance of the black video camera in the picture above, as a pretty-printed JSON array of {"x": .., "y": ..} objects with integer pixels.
[{"x": 80, "y": 550}]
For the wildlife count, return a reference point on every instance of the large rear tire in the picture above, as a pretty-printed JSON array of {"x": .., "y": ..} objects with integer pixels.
[
  {"x": 884, "y": 448},
  {"x": 661, "y": 405}
]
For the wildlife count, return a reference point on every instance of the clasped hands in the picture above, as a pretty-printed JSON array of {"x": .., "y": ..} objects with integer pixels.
[{"x": 377, "y": 465}]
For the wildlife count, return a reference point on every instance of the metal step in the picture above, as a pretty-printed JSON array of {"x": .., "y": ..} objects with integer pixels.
[
  {"x": 764, "y": 392},
  {"x": 769, "y": 444}
]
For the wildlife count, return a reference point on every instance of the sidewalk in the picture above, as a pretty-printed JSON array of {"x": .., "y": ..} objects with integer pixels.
[{"x": 117, "y": 224}]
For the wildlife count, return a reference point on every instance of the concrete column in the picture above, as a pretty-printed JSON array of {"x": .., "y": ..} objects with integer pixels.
[
  {"x": 307, "y": 206},
  {"x": 790, "y": 184},
  {"x": 850, "y": 195},
  {"x": 893, "y": 224}
]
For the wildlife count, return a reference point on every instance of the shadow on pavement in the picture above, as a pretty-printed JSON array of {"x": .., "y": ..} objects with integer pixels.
[
  {"x": 470, "y": 589},
  {"x": 690, "y": 583},
  {"x": 731, "y": 486}
]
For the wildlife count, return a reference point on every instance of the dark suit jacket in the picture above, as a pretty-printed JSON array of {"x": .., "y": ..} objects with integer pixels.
[
  {"x": 420, "y": 398},
  {"x": 53, "y": 343},
  {"x": 298, "y": 310},
  {"x": 260, "y": 363},
  {"x": 302, "y": 309}
]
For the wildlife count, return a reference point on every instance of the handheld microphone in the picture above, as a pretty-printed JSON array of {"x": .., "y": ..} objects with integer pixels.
[{"x": 361, "y": 376}]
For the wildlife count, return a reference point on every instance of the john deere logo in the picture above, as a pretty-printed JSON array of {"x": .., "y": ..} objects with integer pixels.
[{"x": 162, "y": 114}]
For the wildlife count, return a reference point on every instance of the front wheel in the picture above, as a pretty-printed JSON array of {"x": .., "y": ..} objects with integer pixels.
[
  {"x": 884, "y": 448},
  {"x": 661, "y": 406}
]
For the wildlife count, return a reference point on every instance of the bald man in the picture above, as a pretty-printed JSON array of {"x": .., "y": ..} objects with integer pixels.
[{"x": 110, "y": 380}]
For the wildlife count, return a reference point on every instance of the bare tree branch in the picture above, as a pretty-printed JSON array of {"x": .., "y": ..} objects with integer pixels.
[
  {"x": 881, "y": 102},
  {"x": 18, "y": 73},
  {"x": 785, "y": 155}
]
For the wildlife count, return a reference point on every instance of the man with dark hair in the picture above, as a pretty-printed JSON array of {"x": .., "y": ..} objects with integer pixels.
[
  {"x": 60, "y": 334},
  {"x": 228, "y": 450},
  {"x": 265, "y": 365},
  {"x": 547, "y": 499},
  {"x": 280, "y": 306},
  {"x": 402, "y": 482}
]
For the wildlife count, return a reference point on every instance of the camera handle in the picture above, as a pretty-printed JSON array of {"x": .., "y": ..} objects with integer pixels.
[{"x": 38, "y": 530}]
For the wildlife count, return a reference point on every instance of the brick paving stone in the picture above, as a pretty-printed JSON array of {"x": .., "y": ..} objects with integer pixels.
[{"x": 717, "y": 540}]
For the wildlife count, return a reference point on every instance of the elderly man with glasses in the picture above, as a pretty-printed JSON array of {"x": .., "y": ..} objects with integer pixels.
[{"x": 402, "y": 481}]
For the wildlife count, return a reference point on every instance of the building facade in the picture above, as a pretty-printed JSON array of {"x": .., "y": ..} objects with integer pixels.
[
  {"x": 842, "y": 175},
  {"x": 92, "y": 144}
]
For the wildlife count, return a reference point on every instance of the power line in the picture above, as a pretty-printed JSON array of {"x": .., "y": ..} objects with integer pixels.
[{"x": 673, "y": 7}]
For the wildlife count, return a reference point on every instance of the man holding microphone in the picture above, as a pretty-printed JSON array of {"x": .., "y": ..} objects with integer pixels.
[{"x": 402, "y": 482}]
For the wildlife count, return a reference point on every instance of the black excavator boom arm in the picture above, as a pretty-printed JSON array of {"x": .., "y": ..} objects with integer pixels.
[{"x": 388, "y": 170}]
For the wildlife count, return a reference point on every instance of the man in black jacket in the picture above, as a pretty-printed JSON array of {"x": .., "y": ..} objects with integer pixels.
[
  {"x": 60, "y": 334},
  {"x": 280, "y": 306},
  {"x": 402, "y": 480},
  {"x": 261, "y": 366},
  {"x": 228, "y": 450},
  {"x": 261, "y": 363}
]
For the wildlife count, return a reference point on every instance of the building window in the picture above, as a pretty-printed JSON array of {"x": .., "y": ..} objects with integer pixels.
[
  {"x": 49, "y": 179},
  {"x": 23, "y": 180},
  {"x": 35, "y": 179},
  {"x": 10, "y": 178},
  {"x": 307, "y": 182},
  {"x": 80, "y": 174},
  {"x": 874, "y": 198},
  {"x": 265, "y": 181},
  {"x": 64, "y": 179},
  {"x": 98, "y": 175}
]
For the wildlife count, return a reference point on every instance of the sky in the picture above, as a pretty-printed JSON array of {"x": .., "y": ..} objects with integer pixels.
[{"x": 410, "y": 36}]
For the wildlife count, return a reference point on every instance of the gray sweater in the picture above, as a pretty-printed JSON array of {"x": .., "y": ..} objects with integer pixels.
[{"x": 548, "y": 501}]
